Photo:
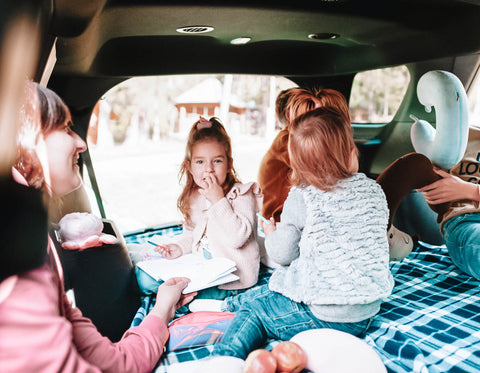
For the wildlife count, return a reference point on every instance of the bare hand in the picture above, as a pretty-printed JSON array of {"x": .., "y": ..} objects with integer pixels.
[
  {"x": 271, "y": 227},
  {"x": 170, "y": 297},
  {"x": 212, "y": 191},
  {"x": 449, "y": 188},
  {"x": 169, "y": 251}
]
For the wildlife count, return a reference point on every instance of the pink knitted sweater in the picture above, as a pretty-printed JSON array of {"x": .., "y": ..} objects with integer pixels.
[{"x": 231, "y": 228}]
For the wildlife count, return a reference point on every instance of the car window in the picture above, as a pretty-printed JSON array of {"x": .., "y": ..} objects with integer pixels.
[
  {"x": 138, "y": 130},
  {"x": 377, "y": 94},
  {"x": 473, "y": 96}
]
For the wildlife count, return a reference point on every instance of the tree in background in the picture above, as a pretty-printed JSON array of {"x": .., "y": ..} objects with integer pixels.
[{"x": 377, "y": 94}]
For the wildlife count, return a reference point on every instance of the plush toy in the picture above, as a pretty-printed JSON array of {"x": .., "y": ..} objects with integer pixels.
[
  {"x": 82, "y": 230},
  {"x": 333, "y": 351},
  {"x": 445, "y": 145}
]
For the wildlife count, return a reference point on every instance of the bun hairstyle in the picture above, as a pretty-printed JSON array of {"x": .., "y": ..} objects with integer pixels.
[
  {"x": 203, "y": 130},
  {"x": 302, "y": 100},
  {"x": 320, "y": 146}
]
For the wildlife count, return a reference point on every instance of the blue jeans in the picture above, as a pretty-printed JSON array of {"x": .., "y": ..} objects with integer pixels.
[
  {"x": 462, "y": 238},
  {"x": 270, "y": 315},
  {"x": 233, "y": 303}
]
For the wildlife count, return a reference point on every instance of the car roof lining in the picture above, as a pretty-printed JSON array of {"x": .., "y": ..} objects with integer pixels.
[{"x": 119, "y": 36}]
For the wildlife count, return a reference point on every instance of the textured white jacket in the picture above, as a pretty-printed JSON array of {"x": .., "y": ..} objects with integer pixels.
[{"x": 334, "y": 251}]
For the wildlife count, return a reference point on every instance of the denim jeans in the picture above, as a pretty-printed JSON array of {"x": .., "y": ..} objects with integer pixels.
[
  {"x": 233, "y": 303},
  {"x": 462, "y": 238},
  {"x": 270, "y": 315}
]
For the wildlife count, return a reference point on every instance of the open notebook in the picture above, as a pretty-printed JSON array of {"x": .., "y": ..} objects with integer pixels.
[{"x": 203, "y": 273}]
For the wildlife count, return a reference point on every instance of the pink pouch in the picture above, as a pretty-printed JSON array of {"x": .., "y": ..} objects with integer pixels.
[{"x": 197, "y": 329}]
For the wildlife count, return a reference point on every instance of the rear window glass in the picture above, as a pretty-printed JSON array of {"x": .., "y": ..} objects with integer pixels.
[
  {"x": 138, "y": 132},
  {"x": 377, "y": 94},
  {"x": 473, "y": 95}
]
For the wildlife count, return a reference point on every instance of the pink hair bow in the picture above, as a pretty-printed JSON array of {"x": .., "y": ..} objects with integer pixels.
[{"x": 203, "y": 123}]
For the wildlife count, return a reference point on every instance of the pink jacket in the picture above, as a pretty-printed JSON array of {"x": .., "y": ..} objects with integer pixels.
[
  {"x": 36, "y": 337},
  {"x": 41, "y": 332},
  {"x": 231, "y": 228}
]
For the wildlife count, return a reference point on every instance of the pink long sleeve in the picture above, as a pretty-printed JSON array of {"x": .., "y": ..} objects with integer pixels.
[
  {"x": 36, "y": 337},
  {"x": 33, "y": 335},
  {"x": 137, "y": 351}
]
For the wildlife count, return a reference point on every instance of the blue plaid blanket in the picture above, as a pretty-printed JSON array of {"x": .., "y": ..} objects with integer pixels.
[{"x": 430, "y": 323}]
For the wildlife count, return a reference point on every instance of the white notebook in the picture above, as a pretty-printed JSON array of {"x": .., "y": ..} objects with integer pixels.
[{"x": 203, "y": 273}]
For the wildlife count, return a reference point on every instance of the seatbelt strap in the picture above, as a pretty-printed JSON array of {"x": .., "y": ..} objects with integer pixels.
[{"x": 93, "y": 181}]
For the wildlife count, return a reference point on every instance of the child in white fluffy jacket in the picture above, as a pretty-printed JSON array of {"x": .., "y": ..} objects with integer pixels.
[{"x": 330, "y": 242}]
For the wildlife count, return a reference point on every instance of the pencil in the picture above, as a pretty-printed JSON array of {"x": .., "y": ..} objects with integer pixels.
[
  {"x": 265, "y": 220},
  {"x": 162, "y": 248}
]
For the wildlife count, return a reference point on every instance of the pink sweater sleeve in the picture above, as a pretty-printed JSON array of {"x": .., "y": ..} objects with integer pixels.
[
  {"x": 137, "y": 351},
  {"x": 185, "y": 240},
  {"x": 33, "y": 336}
]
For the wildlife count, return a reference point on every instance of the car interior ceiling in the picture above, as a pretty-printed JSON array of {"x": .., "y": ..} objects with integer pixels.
[{"x": 100, "y": 43}]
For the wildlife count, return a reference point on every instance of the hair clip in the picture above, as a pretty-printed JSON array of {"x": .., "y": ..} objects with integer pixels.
[{"x": 203, "y": 123}]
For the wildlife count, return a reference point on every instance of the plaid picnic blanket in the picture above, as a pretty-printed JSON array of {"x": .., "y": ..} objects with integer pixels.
[{"x": 430, "y": 323}]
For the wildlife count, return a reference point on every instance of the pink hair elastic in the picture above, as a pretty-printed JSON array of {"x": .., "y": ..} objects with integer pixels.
[{"x": 203, "y": 123}]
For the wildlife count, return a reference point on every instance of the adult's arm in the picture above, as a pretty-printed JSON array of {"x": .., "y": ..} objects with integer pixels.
[
  {"x": 137, "y": 351},
  {"x": 140, "y": 347},
  {"x": 450, "y": 188},
  {"x": 33, "y": 335}
]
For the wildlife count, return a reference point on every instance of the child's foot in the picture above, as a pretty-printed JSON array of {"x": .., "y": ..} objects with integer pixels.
[{"x": 205, "y": 305}]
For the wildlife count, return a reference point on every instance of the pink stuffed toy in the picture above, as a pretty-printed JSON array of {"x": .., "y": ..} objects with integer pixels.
[{"x": 82, "y": 230}]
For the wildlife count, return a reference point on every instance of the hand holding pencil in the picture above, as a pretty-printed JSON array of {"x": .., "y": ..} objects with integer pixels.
[{"x": 269, "y": 225}]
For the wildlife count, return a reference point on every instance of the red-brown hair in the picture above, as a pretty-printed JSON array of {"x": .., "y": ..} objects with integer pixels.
[
  {"x": 302, "y": 100},
  {"x": 334, "y": 99},
  {"x": 281, "y": 105},
  {"x": 218, "y": 133},
  {"x": 320, "y": 146}
]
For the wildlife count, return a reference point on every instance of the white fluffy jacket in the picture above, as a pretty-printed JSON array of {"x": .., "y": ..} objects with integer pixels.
[
  {"x": 231, "y": 227},
  {"x": 333, "y": 248}
]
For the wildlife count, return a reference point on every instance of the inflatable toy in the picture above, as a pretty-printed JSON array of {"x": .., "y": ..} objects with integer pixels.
[{"x": 444, "y": 145}]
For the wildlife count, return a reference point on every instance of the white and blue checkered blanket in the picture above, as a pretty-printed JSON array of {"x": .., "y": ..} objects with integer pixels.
[{"x": 430, "y": 323}]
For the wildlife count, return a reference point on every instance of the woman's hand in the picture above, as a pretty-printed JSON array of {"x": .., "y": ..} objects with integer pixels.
[
  {"x": 170, "y": 297},
  {"x": 212, "y": 191},
  {"x": 270, "y": 227},
  {"x": 169, "y": 251},
  {"x": 449, "y": 188}
]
